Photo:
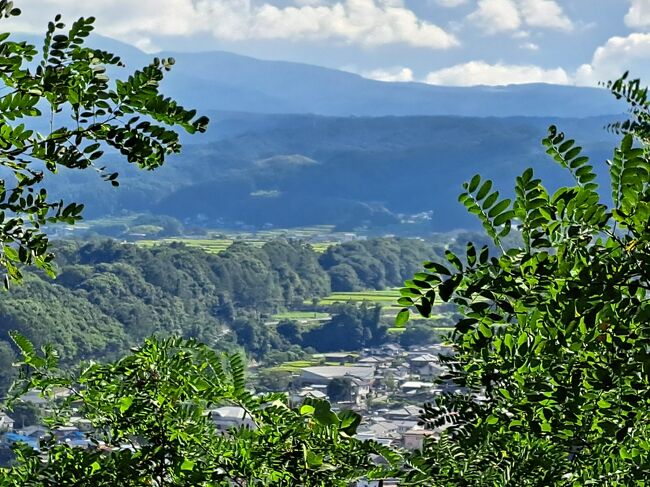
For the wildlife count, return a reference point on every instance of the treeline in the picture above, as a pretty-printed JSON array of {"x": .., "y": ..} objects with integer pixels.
[{"x": 109, "y": 296}]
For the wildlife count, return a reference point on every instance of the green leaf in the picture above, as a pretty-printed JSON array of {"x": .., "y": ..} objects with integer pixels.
[
  {"x": 473, "y": 184},
  {"x": 314, "y": 460},
  {"x": 402, "y": 317},
  {"x": 487, "y": 185},
  {"x": 307, "y": 410},
  {"x": 125, "y": 403}
]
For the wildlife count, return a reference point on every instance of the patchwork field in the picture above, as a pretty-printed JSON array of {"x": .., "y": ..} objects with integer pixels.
[
  {"x": 319, "y": 237},
  {"x": 384, "y": 298}
]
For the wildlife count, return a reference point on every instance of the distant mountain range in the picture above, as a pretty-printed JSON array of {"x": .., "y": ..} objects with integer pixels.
[
  {"x": 293, "y": 144},
  {"x": 230, "y": 82}
]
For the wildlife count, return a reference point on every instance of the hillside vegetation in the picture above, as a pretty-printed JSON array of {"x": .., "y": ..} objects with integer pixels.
[{"x": 109, "y": 296}]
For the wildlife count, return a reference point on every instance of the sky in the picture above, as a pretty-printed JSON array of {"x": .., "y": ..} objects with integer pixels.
[{"x": 442, "y": 42}]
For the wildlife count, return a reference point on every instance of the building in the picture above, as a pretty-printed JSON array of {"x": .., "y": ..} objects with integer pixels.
[
  {"x": 406, "y": 412},
  {"x": 416, "y": 387},
  {"x": 228, "y": 417},
  {"x": 425, "y": 366},
  {"x": 361, "y": 378},
  {"x": 413, "y": 439},
  {"x": 323, "y": 375},
  {"x": 341, "y": 358}
]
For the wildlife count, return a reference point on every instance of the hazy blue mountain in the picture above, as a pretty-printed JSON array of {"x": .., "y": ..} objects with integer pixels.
[
  {"x": 230, "y": 82},
  {"x": 293, "y": 144}
]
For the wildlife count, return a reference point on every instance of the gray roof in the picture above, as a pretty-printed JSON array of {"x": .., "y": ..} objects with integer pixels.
[
  {"x": 334, "y": 371},
  {"x": 427, "y": 357}
]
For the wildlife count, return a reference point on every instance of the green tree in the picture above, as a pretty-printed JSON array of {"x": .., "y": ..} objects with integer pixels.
[
  {"x": 554, "y": 331},
  {"x": 340, "y": 389},
  {"x": 153, "y": 410},
  {"x": 417, "y": 334},
  {"x": 65, "y": 86}
]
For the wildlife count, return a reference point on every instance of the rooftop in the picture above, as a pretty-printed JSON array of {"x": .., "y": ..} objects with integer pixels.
[{"x": 334, "y": 371}]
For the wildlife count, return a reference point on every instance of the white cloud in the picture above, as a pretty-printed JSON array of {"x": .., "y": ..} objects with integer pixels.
[
  {"x": 639, "y": 14},
  {"x": 482, "y": 73},
  {"x": 616, "y": 56},
  {"x": 544, "y": 13},
  {"x": 363, "y": 22},
  {"x": 529, "y": 46},
  {"x": 494, "y": 16},
  {"x": 395, "y": 74}
]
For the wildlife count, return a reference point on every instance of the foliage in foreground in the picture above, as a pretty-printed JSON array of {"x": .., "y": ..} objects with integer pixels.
[
  {"x": 555, "y": 333},
  {"x": 152, "y": 425},
  {"x": 63, "y": 88}
]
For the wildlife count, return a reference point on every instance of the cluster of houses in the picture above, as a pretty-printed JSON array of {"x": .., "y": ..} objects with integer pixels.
[{"x": 386, "y": 386}]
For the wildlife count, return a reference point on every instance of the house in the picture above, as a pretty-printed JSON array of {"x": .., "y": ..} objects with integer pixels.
[
  {"x": 9, "y": 439},
  {"x": 341, "y": 358},
  {"x": 323, "y": 375},
  {"x": 391, "y": 349},
  {"x": 362, "y": 379},
  {"x": 406, "y": 412},
  {"x": 416, "y": 387},
  {"x": 299, "y": 397},
  {"x": 425, "y": 366},
  {"x": 36, "y": 397},
  {"x": 228, "y": 417},
  {"x": 413, "y": 439},
  {"x": 35, "y": 431},
  {"x": 6, "y": 422}
]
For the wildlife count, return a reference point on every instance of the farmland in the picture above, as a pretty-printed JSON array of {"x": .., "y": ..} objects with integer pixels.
[
  {"x": 384, "y": 298},
  {"x": 320, "y": 237}
]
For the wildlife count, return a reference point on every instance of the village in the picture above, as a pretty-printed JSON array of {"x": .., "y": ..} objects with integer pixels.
[{"x": 386, "y": 386}]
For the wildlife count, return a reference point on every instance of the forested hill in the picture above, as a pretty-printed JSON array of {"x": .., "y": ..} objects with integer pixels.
[
  {"x": 301, "y": 170},
  {"x": 109, "y": 296}
]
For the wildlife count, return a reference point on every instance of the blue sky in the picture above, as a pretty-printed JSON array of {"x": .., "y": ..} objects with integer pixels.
[{"x": 449, "y": 42}]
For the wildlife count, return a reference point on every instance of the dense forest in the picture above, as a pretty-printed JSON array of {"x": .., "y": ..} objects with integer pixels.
[
  {"x": 302, "y": 170},
  {"x": 109, "y": 295}
]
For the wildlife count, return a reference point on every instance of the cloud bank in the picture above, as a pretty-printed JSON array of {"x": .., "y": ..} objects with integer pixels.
[
  {"x": 482, "y": 73},
  {"x": 361, "y": 22}
]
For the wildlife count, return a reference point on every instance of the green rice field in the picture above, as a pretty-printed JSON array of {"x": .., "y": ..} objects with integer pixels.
[
  {"x": 387, "y": 297},
  {"x": 221, "y": 240},
  {"x": 211, "y": 246}
]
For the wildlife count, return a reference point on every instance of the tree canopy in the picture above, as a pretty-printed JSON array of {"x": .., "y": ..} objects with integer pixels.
[
  {"x": 61, "y": 111},
  {"x": 553, "y": 345}
]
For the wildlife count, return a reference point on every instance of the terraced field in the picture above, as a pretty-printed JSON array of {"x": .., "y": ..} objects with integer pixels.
[
  {"x": 211, "y": 246},
  {"x": 221, "y": 240},
  {"x": 385, "y": 298}
]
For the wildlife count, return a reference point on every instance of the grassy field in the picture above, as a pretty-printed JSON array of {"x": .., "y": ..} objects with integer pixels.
[
  {"x": 211, "y": 246},
  {"x": 218, "y": 241},
  {"x": 387, "y": 298}
]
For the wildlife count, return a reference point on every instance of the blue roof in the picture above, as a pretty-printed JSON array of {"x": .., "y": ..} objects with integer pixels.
[{"x": 15, "y": 438}]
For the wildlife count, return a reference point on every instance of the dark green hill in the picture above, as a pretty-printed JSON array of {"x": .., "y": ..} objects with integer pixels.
[{"x": 290, "y": 170}]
